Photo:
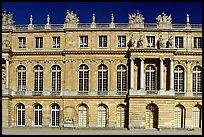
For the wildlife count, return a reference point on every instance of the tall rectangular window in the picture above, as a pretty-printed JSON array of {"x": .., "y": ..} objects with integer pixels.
[
  {"x": 121, "y": 41},
  {"x": 179, "y": 42},
  {"x": 56, "y": 42},
  {"x": 102, "y": 41},
  {"x": 151, "y": 41},
  {"x": 83, "y": 41},
  {"x": 197, "y": 42},
  {"x": 21, "y": 42},
  {"x": 39, "y": 42}
]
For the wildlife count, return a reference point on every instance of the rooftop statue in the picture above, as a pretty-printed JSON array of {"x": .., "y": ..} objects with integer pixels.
[
  {"x": 71, "y": 17},
  {"x": 163, "y": 18},
  {"x": 136, "y": 18},
  {"x": 7, "y": 19}
]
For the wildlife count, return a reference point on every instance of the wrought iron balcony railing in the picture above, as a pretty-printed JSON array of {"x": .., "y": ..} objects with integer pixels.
[
  {"x": 37, "y": 93},
  {"x": 83, "y": 93},
  {"x": 55, "y": 93},
  {"x": 102, "y": 93},
  {"x": 121, "y": 92}
]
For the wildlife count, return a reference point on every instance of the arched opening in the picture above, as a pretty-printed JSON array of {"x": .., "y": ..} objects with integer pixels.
[{"x": 152, "y": 116}]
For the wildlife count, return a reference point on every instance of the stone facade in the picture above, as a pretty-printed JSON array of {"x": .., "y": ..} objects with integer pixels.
[{"x": 109, "y": 75}]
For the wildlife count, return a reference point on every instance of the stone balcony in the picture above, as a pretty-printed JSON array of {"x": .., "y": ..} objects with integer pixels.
[{"x": 107, "y": 93}]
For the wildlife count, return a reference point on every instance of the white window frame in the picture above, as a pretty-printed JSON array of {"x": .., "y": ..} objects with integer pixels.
[
  {"x": 20, "y": 114},
  {"x": 84, "y": 80},
  {"x": 102, "y": 72},
  {"x": 38, "y": 116},
  {"x": 179, "y": 79},
  {"x": 83, "y": 116},
  {"x": 121, "y": 41},
  {"x": 150, "y": 78},
  {"x": 103, "y": 41},
  {"x": 21, "y": 78},
  {"x": 21, "y": 42},
  {"x": 38, "y": 42},
  {"x": 38, "y": 77},
  {"x": 197, "y": 42},
  {"x": 55, "y": 118},
  {"x": 55, "y": 42},
  {"x": 121, "y": 78},
  {"x": 197, "y": 80},
  {"x": 179, "y": 42},
  {"x": 56, "y": 78},
  {"x": 150, "y": 41},
  {"x": 83, "y": 41},
  {"x": 102, "y": 116},
  {"x": 121, "y": 116}
]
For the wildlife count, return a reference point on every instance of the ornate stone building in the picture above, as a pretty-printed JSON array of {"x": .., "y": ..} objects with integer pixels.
[{"x": 110, "y": 75}]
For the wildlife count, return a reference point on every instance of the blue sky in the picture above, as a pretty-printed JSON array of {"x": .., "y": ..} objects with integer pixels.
[{"x": 103, "y": 10}]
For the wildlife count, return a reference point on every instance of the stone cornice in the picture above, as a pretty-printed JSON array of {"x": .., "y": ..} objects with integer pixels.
[
  {"x": 189, "y": 53},
  {"x": 149, "y": 50}
]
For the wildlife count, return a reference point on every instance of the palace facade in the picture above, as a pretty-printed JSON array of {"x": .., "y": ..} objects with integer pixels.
[{"x": 102, "y": 75}]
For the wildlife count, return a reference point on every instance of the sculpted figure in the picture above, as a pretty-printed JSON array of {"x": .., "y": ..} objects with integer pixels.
[
  {"x": 71, "y": 17},
  {"x": 93, "y": 18},
  {"x": 136, "y": 18},
  {"x": 131, "y": 42},
  {"x": 164, "y": 18},
  {"x": 4, "y": 18},
  {"x": 159, "y": 42},
  {"x": 169, "y": 42},
  {"x": 140, "y": 42}
]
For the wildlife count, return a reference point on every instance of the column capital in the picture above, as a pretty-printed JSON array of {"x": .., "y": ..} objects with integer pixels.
[
  {"x": 171, "y": 59},
  {"x": 142, "y": 58},
  {"x": 132, "y": 58},
  {"x": 161, "y": 58}
]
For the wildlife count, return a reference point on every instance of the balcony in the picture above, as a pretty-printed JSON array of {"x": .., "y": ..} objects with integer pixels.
[
  {"x": 179, "y": 94},
  {"x": 102, "y": 93},
  {"x": 37, "y": 93},
  {"x": 55, "y": 93},
  {"x": 20, "y": 93},
  {"x": 82, "y": 93},
  {"x": 152, "y": 92},
  {"x": 123, "y": 93},
  {"x": 197, "y": 94}
]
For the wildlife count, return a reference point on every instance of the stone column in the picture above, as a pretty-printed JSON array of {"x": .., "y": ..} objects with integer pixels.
[
  {"x": 131, "y": 73},
  {"x": 7, "y": 74},
  {"x": 161, "y": 74},
  {"x": 142, "y": 73},
  {"x": 171, "y": 75}
]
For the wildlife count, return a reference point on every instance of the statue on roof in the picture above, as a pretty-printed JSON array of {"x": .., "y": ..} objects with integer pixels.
[
  {"x": 136, "y": 18},
  {"x": 71, "y": 17},
  {"x": 7, "y": 19},
  {"x": 164, "y": 18}
]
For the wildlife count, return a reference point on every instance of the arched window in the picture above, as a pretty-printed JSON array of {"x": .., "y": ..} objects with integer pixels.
[
  {"x": 121, "y": 116},
  {"x": 197, "y": 116},
  {"x": 83, "y": 115},
  {"x": 83, "y": 79},
  {"x": 38, "y": 115},
  {"x": 179, "y": 79},
  {"x": 38, "y": 78},
  {"x": 21, "y": 78},
  {"x": 56, "y": 78},
  {"x": 121, "y": 79},
  {"x": 20, "y": 115},
  {"x": 150, "y": 78},
  {"x": 197, "y": 79},
  {"x": 102, "y": 80},
  {"x": 179, "y": 116},
  {"x": 55, "y": 109},
  {"x": 152, "y": 116},
  {"x": 102, "y": 116}
]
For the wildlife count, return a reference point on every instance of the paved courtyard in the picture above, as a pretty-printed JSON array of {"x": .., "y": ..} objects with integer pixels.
[{"x": 66, "y": 131}]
